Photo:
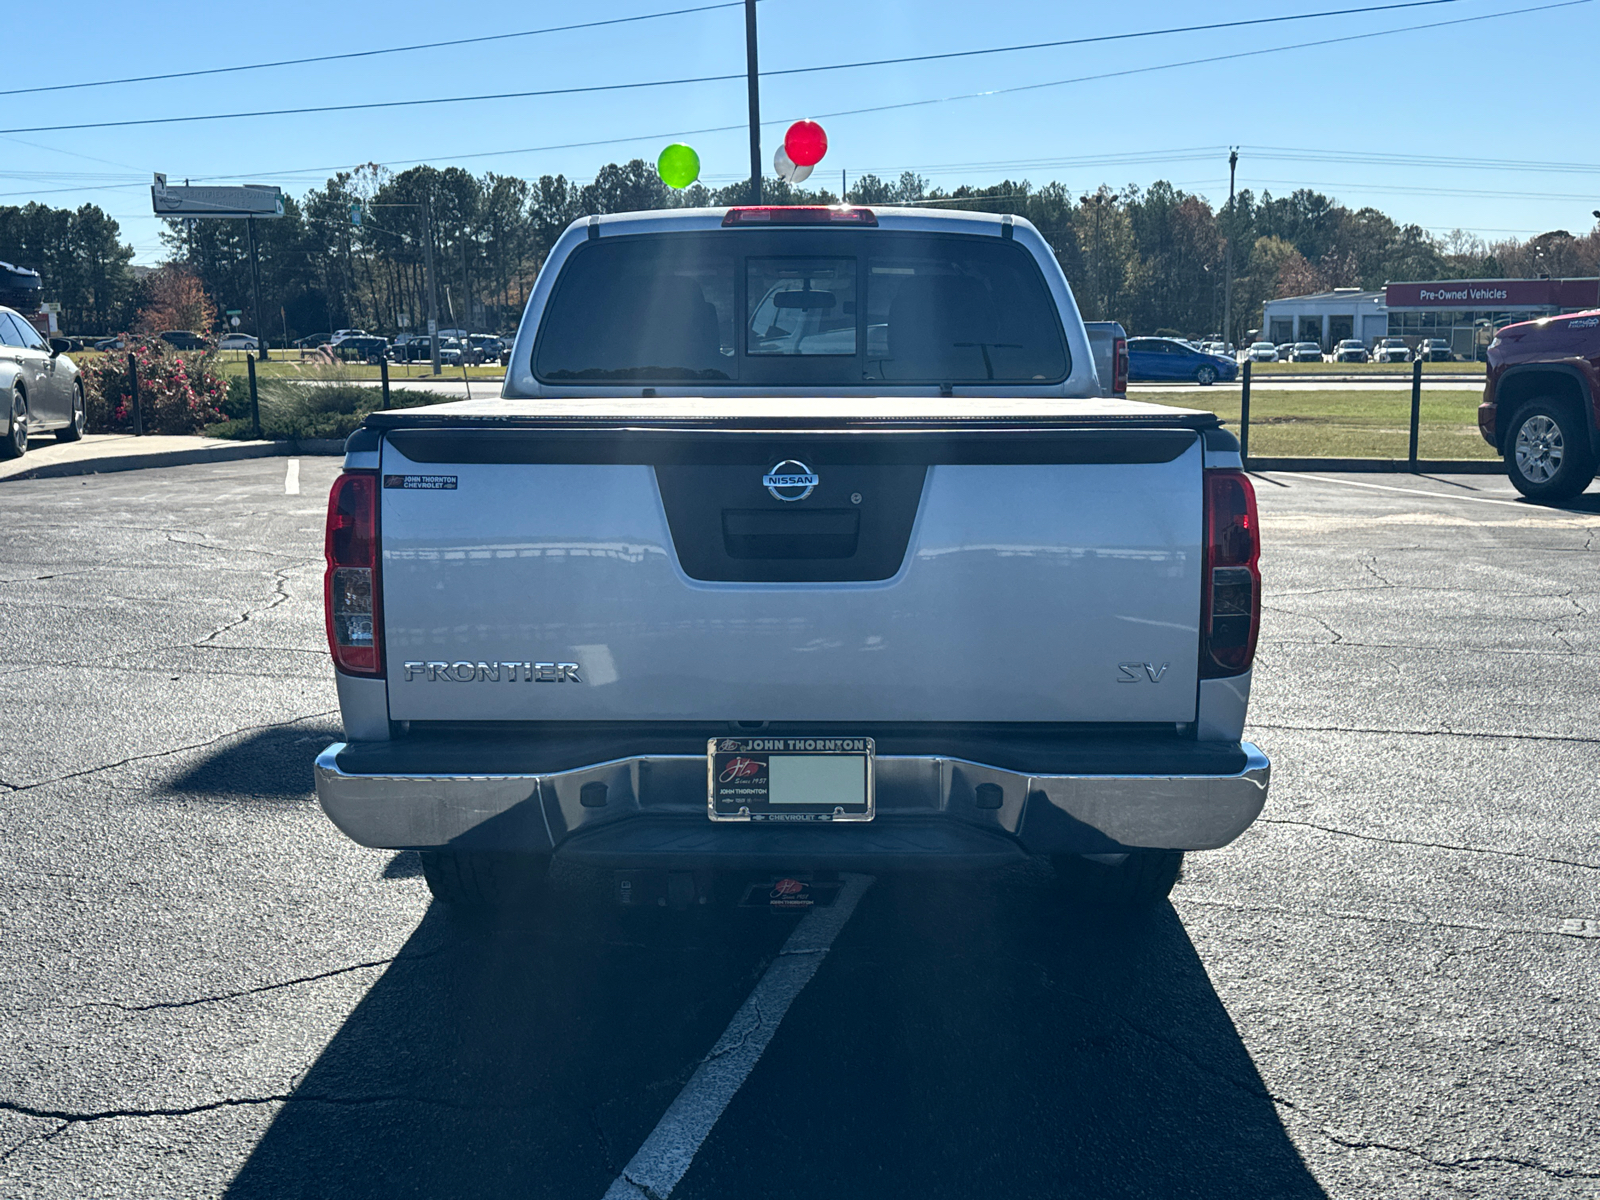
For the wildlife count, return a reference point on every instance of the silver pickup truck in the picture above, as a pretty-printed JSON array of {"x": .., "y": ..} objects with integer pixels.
[{"x": 799, "y": 539}]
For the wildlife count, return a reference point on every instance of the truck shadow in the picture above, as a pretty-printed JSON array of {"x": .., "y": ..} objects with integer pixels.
[
  {"x": 270, "y": 764},
  {"x": 937, "y": 1053}
]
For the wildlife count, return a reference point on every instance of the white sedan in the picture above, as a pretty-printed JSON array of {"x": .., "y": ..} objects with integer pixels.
[{"x": 238, "y": 341}]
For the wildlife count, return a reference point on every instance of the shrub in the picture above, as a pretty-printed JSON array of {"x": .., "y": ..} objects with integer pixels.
[
  {"x": 178, "y": 393},
  {"x": 330, "y": 405}
]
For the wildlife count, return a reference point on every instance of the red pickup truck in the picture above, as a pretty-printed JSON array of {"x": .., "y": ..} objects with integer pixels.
[{"x": 1539, "y": 401}]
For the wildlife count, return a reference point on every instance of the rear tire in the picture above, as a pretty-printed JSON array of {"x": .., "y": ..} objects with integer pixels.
[
  {"x": 1547, "y": 451},
  {"x": 80, "y": 419},
  {"x": 15, "y": 443},
  {"x": 484, "y": 881},
  {"x": 1145, "y": 877}
]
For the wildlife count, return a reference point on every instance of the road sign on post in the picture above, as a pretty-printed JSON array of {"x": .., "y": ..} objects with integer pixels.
[{"x": 251, "y": 201}]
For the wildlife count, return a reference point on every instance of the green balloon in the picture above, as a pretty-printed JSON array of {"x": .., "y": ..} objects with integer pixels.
[{"x": 678, "y": 166}]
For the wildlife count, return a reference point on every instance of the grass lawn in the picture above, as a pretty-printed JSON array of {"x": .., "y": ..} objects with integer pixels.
[
  {"x": 1366, "y": 368},
  {"x": 1346, "y": 424}
]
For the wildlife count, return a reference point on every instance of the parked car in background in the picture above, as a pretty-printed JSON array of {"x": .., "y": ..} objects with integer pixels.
[
  {"x": 1539, "y": 399},
  {"x": 454, "y": 351},
  {"x": 410, "y": 347},
  {"x": 1391, "y": 350},
  {"x": 344, "y": 333},
  {"x": 111, "y": 343},
  {"x": 39, "y": 386},
  {"x": 238, "y": 341},
  {"x": 1168, "y": 359},
  {"x": 1261, "y": 352},
  {"x": 487, "y": 344},
  {"x": 1285, "y": 349},
  {"x": 1350, "y": 350},
  {"x": 182, "y": 339},
  {"x": 312, "y": 340},
  {"x": 1434, "y": 350},
  {"x": 360, "y": 348},
  {"x": 1306, "y": 352}
]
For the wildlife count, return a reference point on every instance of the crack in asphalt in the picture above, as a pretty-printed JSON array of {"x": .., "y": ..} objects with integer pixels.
[
  {"x": 1468, "y": 1163},
  {"x": 178, "y": 541},
  {"x": 1372, "y": 837},
  {"x": 1176, "y": 1048},
  {"x": 38, "y": 1135},
  {"x": 1338, "y": 638},
  {"x": 1423, "y": 921},
  {"x": 1265, "y": 1093},
  {"x": 1370, "y": 562},
  {"x": 719, "y": 1050},
  {"x": 280, "y": 594},
  {"x": 133, "y": 758},
  {"x": 190, "y": 1110},
  {"x": 1456, "y": 733},
  {"x": 265, "y": 987},
  {"x": 1265, "y": 652}
]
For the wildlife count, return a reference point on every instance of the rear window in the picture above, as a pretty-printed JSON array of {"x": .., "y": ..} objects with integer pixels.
[{"x": 799, "y": 307}]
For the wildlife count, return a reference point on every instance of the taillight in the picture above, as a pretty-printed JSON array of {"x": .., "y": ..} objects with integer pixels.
[
  {"x": 800, "y": 214},
  {"x": 1230, "y": 606},
  {"x": 1119, "y": 372},
  {"x": 351, "y": 586}
]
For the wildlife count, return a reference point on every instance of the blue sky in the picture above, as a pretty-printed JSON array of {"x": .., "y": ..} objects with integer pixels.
[{"x": 1440, "y": 90}]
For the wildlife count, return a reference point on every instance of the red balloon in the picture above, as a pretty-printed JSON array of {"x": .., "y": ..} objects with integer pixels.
[{"x": 805, "y": 143}]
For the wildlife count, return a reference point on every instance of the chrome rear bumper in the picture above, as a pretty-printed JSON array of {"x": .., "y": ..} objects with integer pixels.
[{"x": 651, "y": 810}]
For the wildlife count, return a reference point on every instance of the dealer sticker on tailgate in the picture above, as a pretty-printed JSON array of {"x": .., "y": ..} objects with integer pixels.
[{"x": 790, "y": 779}]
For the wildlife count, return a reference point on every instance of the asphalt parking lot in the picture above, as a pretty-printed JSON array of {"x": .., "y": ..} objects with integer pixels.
[{"x": 1385, "y": 988}]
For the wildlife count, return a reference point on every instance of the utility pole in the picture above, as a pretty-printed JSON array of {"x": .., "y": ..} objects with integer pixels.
[
  {"x": 255, "y": 288},
  {"x": 433, "y": 291},
  {"x": 1227, "y": 278},
  {"x": 755, "y": 100}
]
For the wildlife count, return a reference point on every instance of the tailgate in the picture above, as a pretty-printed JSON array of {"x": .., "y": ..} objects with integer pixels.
[{"x": 647, "y": 574}]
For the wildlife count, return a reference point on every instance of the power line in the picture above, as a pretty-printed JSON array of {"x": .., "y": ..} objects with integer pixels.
[
  {"x": 322, "y": 58},
  {"x": 591, "y": 89}
]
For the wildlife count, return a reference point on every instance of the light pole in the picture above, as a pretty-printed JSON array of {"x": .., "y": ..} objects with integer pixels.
[
  {"x": 755, "y": 100},
  {"x": 1227, "y": 278}
]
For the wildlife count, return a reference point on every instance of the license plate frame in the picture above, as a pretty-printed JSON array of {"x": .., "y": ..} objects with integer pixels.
[{"x": 741, "y": 779}]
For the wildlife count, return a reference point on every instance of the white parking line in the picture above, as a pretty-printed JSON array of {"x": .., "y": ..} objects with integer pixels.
[
  {"x": 667, "y": 1153},
  {"x": 1381, "y": 487},
  {"x": 291, "y": 480}
]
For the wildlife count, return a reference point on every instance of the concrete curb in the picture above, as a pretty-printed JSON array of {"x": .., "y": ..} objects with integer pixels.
[
  {"x": 221, "y": 452},
  {"x": 1431, "y": 466}
]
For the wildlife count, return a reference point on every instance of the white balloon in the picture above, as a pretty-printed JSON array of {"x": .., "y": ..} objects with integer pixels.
[{"x": 786, "y": 168}]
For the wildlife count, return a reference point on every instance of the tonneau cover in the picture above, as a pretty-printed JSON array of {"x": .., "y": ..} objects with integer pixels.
[{"x": 812, "y": 411}]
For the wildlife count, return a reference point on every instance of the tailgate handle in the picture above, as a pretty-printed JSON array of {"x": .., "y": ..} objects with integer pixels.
[{"x": 810, "y": 533}]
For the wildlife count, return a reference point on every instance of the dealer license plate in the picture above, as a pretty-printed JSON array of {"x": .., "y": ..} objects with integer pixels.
[{"x": 789, "y": 779}]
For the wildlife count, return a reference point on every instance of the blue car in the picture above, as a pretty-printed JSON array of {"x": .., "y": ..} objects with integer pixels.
[{"x": 1167, "y": 360}]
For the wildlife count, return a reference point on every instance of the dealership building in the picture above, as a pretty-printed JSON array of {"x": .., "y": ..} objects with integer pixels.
[{"x": 1464, "y": 312}]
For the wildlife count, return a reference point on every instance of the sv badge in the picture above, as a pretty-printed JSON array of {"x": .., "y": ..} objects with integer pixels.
[{"x": 1138, "y": 672}]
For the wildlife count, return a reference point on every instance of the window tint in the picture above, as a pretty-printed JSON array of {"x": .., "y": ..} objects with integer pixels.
[
  {"x": 9, "y": 334},
  {"x": 800, "y": 307},
  {"x": 651, "y": 308},
  {"x": 961, "y": 310},
  {"x": 24, "y": 334}
]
